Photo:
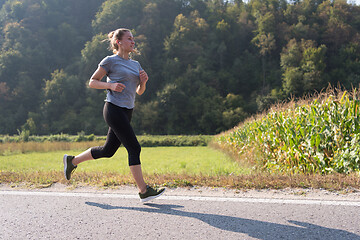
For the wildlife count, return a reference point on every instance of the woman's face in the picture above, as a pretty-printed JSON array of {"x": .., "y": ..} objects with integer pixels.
[{"x": 127, "y": 42}]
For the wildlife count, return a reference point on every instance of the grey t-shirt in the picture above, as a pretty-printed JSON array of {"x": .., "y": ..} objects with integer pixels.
[{"x": 122, "y": 71}]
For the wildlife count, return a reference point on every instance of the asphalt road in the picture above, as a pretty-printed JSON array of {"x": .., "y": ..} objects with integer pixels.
[{"x": 91, "y": 215}]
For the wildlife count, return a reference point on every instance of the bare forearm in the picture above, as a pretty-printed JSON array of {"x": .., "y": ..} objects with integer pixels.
[
  {"x": 99, "y": 84},
  {"x": 143, "y": 80},
  {"x": 118, "y": 87},
  {"x": 95, "y": 80},
  {"x": 141, "y": 88}
]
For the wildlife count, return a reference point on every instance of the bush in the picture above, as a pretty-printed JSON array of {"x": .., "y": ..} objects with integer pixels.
[
  {"x": 174, "y": 140},
  {"x": 145, "y": 141}
]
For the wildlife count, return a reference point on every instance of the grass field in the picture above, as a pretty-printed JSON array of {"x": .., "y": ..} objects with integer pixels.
[
  {"x": 155, "y": 160},
  {"x": 166, "y": 166},
  {"x": 169, "y": 166}
]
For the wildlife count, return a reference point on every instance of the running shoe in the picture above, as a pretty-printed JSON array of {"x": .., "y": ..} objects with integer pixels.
[
  {"x": 151, "y": 193},
  {"x": 69, "y": 168}
]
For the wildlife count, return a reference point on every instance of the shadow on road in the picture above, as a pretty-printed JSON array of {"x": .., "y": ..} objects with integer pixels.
[{"x": 254, "y": 228}]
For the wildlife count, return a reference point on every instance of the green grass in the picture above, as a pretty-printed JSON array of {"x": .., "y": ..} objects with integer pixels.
[
  {"x": 155, "y": 160},
  {"x": 166, "y": 166}
]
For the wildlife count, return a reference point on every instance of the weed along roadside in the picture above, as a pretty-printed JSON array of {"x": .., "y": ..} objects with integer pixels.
[{"x": 186, "y": 161}]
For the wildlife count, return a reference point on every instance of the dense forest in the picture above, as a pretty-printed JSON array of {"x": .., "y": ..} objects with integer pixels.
[{"x": 211, "y": 63}]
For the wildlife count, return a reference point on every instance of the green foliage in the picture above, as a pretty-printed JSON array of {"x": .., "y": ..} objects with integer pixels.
[
  {"x": 37, "y": 37},
  {"x": 48, "y": 138},
  {"x": 144, "y": 140},
  {"x": 303, "y": 65},
  {"x": 115, "y": 12},
  {"x": 59, "y": 109},
  {"x": 174, "y": 140},
  {"x": 320, "y": 137},
  {"x": 199, "y": 55}
]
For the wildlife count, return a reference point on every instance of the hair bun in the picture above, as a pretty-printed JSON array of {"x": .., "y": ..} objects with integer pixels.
[{"x": 111, "y": 35}]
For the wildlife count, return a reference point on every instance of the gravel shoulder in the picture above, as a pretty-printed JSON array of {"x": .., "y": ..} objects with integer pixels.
[{"x": 297, "y": 193}]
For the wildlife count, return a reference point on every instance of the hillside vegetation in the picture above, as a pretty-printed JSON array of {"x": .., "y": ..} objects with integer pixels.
[
  {"x": 317, "y": 136},
  {"x": 211, "y": 63}
]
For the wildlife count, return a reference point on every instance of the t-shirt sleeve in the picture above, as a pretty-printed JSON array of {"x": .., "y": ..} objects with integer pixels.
[
  {"x": 140, "y": 68},
  {"x": 106, "y": 64}
]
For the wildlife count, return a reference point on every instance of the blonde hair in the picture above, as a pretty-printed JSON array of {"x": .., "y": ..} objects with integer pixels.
[{"x": 115, "y": 36}]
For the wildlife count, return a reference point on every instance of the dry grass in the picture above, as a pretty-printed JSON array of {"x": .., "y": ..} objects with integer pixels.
[
  {"x": 251, "y": 181},
  {"x": 25, "y": 147}
]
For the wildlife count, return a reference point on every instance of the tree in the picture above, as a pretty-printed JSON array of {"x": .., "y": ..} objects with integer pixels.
[
  {"x": 234, "y": 112},
  {"x": 211, "y": 63},
  {"x": 303, "y": 67},
  {"x": 156, "y": 24},
  {"x": 62, "y": 102},
  {"x": 185, "y": 42},
  {"x": 37, "y": 38},
  {"x": 118, "y": 13},
  {"x": 267, "y": 14}
]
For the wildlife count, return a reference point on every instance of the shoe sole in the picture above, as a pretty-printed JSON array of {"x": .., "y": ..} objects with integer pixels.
[
  {"x": 65, "y": 165},
  {"x": 151, "y": 197}
]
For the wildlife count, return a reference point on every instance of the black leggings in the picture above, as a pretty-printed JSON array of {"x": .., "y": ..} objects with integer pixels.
[{"x": 120, "y": 131}]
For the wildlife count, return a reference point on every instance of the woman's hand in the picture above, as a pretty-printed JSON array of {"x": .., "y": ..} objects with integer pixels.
[
  {"x": 143, "y": 77},
  {"x": 117, "y": 87}
]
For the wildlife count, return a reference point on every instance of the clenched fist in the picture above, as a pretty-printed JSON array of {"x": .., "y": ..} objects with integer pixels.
[
  {"x": 117, "y": 87},
  {"x": 143, "y": 76}
]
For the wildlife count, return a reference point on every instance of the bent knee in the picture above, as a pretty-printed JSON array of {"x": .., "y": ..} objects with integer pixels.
[
  {"x": 108, "y": 154},
  {"x": 138, "y": 149},
  {"x": 101, "y": 152}
]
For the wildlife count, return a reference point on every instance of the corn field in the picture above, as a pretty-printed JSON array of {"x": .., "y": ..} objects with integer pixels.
[{"x": 322, "y": 136}]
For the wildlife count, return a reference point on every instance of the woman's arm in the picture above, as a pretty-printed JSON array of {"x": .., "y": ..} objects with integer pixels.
[
  {"x": 95, "y": 81},
  {"x": 143, "y": 80}
]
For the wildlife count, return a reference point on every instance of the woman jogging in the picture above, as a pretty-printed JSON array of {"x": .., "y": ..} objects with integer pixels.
[{"x": 125, "y": 78}]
